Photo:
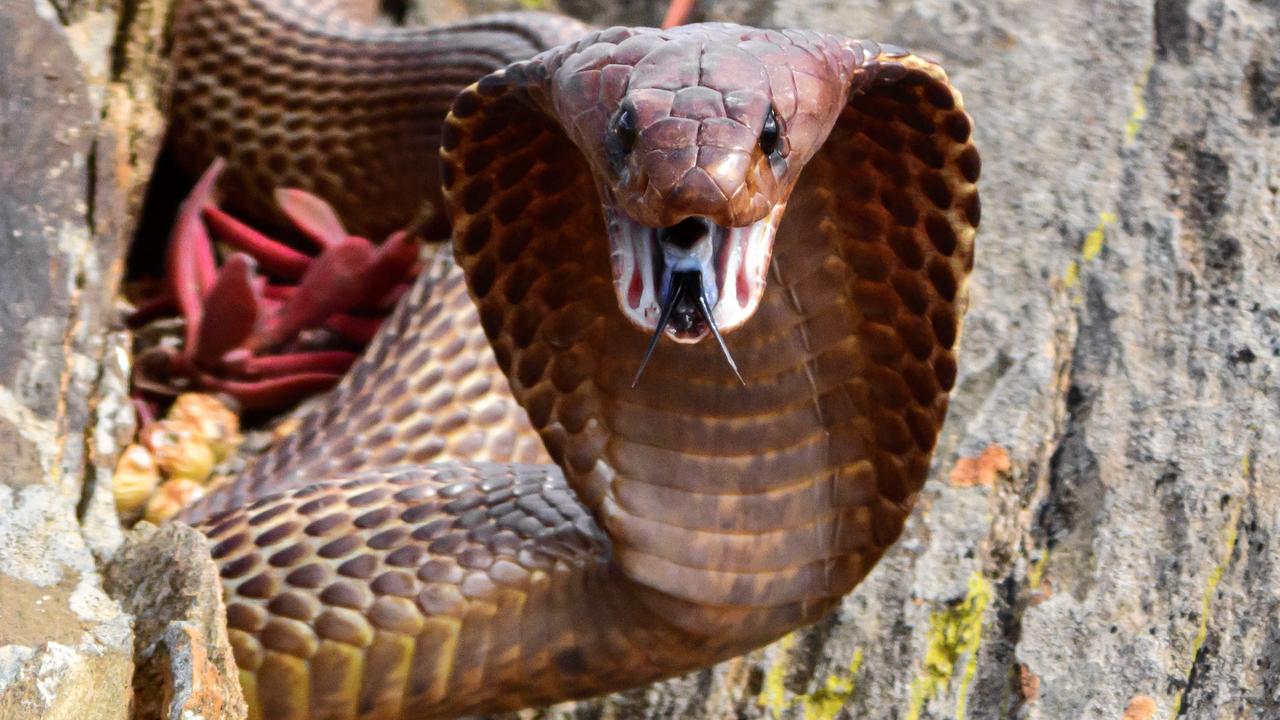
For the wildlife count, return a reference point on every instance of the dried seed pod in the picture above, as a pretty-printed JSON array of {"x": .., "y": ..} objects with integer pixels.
[
  {"x": 135, "y": 479},
  {"x": 179, "y": 449},
  {"x": 171, "y": 498},
  {"x": 215, "y": 423}
]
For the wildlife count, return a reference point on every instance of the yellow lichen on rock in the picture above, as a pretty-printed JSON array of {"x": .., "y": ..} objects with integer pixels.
[
  {"x": 955, "y": 634},
  {"x": 773, "y": 693},
  {"x": 836, "y": 691},
  {"x": 824, "y": 703}
]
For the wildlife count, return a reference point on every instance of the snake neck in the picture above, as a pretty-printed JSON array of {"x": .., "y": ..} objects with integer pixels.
[
  {"x": 742, "y": 512},
  {"x": 734, "y": 513}
]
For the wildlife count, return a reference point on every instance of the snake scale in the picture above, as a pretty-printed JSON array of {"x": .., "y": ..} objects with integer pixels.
[{"x": 493, "y": 510}]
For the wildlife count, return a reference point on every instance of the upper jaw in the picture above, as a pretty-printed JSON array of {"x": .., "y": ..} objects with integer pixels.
[{"x": 730, "y": 263}]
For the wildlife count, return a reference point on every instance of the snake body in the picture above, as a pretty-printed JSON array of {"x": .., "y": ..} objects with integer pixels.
[{"x": 486, "y": 514}]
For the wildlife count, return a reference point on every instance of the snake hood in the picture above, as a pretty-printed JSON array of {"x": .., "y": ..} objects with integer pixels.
[{"x": 695, "y": 138}]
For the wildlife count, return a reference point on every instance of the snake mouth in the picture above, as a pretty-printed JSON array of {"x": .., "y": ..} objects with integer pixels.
[{"x": 707, "y": 278}]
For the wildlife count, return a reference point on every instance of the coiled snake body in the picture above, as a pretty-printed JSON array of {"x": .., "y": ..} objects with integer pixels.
[{"x": 492, "y": 511}]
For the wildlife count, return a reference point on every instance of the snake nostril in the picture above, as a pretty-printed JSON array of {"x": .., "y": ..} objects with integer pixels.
[{"x": 686, "y": 233}]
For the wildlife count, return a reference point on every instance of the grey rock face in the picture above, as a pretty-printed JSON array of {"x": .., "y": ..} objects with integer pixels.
[
  {"x": 167, "y": 581},
  {"x": 77, "y": 131},
  {"x": 64, "y": 644}
]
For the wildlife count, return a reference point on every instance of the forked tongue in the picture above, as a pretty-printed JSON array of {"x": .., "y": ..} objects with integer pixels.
[{"x": 685, "y": 304}]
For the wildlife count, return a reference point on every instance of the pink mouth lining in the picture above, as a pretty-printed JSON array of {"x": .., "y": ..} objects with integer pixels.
[{"x": 741, "y": 266}]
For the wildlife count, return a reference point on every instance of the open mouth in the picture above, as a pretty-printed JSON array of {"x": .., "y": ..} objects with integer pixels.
[
  {"x": 732, "y": 263},
  {"x": 692, "y": 279}
]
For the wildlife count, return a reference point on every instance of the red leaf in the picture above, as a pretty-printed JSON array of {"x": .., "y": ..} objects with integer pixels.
[
  {"x": 275, "y": 393},
  {"x": 190, "y": 263},
  {"x": 162, "y": 305},
  {"x": 230, "y": 312},
  {"x": 325, "y": 361},
  {"x": 275, "y": 257},
  {"x": 279, "y": 292},
  {"x": 333, "y": 283},
  {"x": 393, "y": 262},
  {"x": 313, "y": 216},
  {"x": 356, "y": 328}
]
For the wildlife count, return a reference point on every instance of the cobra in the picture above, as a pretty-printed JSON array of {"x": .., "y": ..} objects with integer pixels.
[{"x": 495, "y": 509}]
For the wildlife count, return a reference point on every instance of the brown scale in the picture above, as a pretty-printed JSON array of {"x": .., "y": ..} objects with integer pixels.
[
  {"x": 293, "y": 96},
  {"x": 421, "y": 592},
  {"x": 426, "y": 390},
  {"x": 834, "y": 418},
  {"x": 689, "y": 518}
]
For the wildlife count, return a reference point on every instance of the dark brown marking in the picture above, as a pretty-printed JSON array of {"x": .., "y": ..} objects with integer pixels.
[
  {"x": 288, "y": 556},
  {"x": 238, "y": 567},
  {"x": 340, "y": 547},
  {"x": 311, "y": 575},
  {"x": 261, "y": 586},
  {"x": 396, "y": 583},
  {"x": 344, "y": 594},
  {"x": 292, "y": 605},
  {"x": 276, "y": 534},
  {"x": 374, "y": 518},
  {"x": 388, "y": 538},
  {"x": 226, "y": 547},
  {"x": 327, "y": 523},
  {"x": 571, "y": 661},
  {"x": 941, "y": 234},
  {"x": 361, "y": 567}
]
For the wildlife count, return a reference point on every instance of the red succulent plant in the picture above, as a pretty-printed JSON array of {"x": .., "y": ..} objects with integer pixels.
[{"x": 253, "y": 338}]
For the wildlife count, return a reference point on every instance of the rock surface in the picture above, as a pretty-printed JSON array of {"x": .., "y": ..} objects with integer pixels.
[
  {"x": 1099, "y": 537},
  {"x": 78, "y": 127},
  {"x": 64, "y": 644},
  {"x": 167, "y": 581}
]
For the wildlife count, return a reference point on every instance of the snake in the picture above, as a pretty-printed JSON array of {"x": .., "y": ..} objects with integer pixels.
[{"x": 669, "y": 391}]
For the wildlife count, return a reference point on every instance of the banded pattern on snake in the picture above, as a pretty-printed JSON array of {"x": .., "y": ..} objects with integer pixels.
[{"x": 493, "y": 510}]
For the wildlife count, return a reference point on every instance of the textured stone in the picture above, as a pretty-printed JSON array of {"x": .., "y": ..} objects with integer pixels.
[
  {"x": 64, "y": 644},
  {"x": 79, "y": 125},
  {"x": 167, "y": 580}
]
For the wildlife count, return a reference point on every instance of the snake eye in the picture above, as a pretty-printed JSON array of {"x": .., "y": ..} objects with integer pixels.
[
  {"x": 624, "y": 129},
  {"x": 769, "y": 134}
]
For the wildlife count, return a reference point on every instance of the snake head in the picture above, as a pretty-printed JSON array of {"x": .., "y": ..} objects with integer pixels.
[
  {"x": 696, "y": 137},
  {"x": 636, "y": 181}
]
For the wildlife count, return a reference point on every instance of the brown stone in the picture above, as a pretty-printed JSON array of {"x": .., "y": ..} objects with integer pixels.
[{"x": 166, "y": 579}]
